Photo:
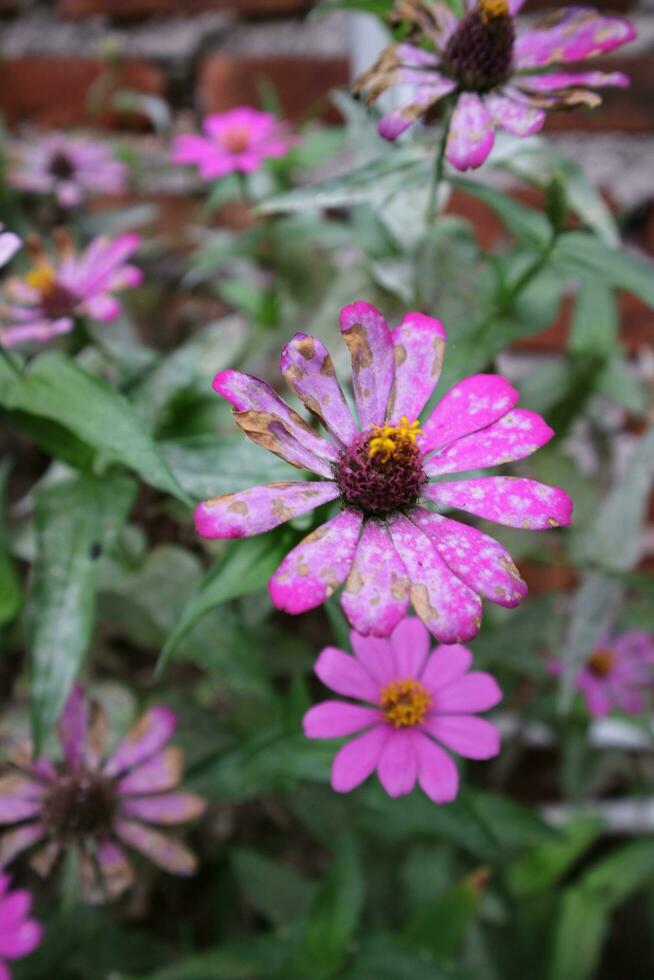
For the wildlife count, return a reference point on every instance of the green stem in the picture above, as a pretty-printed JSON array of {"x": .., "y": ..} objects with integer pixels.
[
  {"x": 439, "y": 165},
  {"x": 10, "y": 361}
]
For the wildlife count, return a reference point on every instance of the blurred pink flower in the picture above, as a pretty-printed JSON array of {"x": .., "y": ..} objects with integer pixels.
[
  {"x": 385, "y": 545},
  {"x": 497, "y": 75},
  {"x": 9, "y": 245},
  {"x": 96, "y": 804},
  {"x": 69, "y": 167},
  {"x": 237, "y": 140},
  {"x": 413, "y": 700},
  {"x": 617, "y": 674},
  {"x": 19, "y": 935},
  {"x": 45, "y": 303}
]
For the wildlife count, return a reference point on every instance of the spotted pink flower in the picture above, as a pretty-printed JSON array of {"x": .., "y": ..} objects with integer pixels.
[
  {"x": 98, "y": 804},
  {"x": 495, "y": 74},
  {"x": 69, "y": 167},
  {"x": 389, "y": 544},
  {"x": 19, "y": 935},
  {"x": 415, "y": 701},
  {"x": 45, "y": 303},
  {"x": 618, "y": 673},
  {"x": 238, "y": 140}
]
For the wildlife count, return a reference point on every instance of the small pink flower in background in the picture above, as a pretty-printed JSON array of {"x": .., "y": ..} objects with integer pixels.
[
  {"x": 385, "y": 545},
  {"x": 618, "y": 673},
  {"x": 19, "y": 935},
  {"x": 69, "y": 167},
  {"x": 99, "y": 804},
  {"x": 497, "y": 75},
  {"x": 414, "y": 702},
  {"x": 45, "y": 302},
  {"x": 235, "y": 141},
  {"x": 9, "y": 245}
]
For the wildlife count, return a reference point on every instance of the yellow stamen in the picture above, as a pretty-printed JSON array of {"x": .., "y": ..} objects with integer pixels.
[
  {"x": 602, "y": 662},
  {"x": 490, "y": 9},
  {"x": 405, "y": 703},
  {"x": 387, "y": 439},
  {"x": 41, "y": 277}
]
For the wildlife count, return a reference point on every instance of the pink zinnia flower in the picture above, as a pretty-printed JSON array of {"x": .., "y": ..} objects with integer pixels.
[
  {"x": 497, "y": 75},
  {"x": 69, "y": 167},
  {"x": 414, "y": 700},
  {"x": 385, "y": 545},
  {"x": 45, "y": 303},
  {"x": 618, "y": 673},
  {"x": 238, "y": 140},
  {"x": 96, "y": 804},
  {"x": 9, "y": 245},
  {"x": 19, "y": 935}
]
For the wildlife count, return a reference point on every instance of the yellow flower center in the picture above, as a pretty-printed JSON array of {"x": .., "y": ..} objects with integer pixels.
[
  {"x": 41, "y": 277},
  {"x": 602, "y": 662},
  {"x": 405, "y": 703},
  {"x": 236, "y": 139},
  {"x": 491, "y": 9},
  {"x": 387, "y": 440}
]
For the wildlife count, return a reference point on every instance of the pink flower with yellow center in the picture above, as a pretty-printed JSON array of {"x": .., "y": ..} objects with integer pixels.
[
  {"x": 389, "y": 544},
  {"x": 496, "y": 74},
  {"x": 97, "y": 804},
  {"x": 19, "y": 935},
  {"x": 618, "y": 674},
  {"x": 414, "y": 702},
  {"x": 235, "y": 141},
  {"x": 47, "y": 300}
]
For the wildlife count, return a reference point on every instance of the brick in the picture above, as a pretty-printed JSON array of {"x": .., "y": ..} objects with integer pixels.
[
  {"x": 301, "y": 83},
  {"x": 54, "y": 91},
  {"x": 542, "y": 578},
  {"x": 635, "y": 328},
  {"x": 138, "y": 9}
]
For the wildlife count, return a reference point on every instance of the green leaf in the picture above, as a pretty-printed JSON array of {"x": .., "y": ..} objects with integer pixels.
[
  {"x": 579, "y": 254},
  {"x": 580, "y": 931},
  {"x": 244, "y": 567},
  {"x": 617, "y": 877},
  {"x": 527, "y": 225},
  {"x": 56, "y": 388},
  {"x": 541, "y": 868},
  {"x": 209, "y": 466},
  {"x": 76, "y": 521},
  {"x": 275, "y": 890},
  {"x": 10, "y": 592},
  {"x": 258, "y": 957},
  {"x": 594, "y": 327},
  {"x": 441, "y": 925}
]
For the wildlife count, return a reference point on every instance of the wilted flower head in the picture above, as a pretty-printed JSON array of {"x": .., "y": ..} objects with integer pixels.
[
  {"x": 97, "y": 804},
  {"x": 69, "y": 167},
  {"x": 235, "y": 141},
  {"x": 497, "y": 74},
  {"x": 413, "y": 700},
  {"x": 46, "y": 301},
  {"x": 618, "y": 673},
  {"x": 9, "y": 245},
  {"x": 19, "y": 935},
  {"x": 385, "y": 544}
]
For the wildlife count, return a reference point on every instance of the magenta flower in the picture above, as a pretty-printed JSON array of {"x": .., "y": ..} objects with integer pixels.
[
  {"x": 235, "y": 141},
  {"x": 68, "y": 167},
  {"x": 496, "y": 75},
  {"x": 385, "y": 544},
  {"x": 97, "y": 804},
  {"x": 617, "y": 674},
  {"x": 413, "y": 700},
  {"x": 45, "y": 303},
  {"x": 9, "y": 245},
  {"x": 19, "y": 935}
]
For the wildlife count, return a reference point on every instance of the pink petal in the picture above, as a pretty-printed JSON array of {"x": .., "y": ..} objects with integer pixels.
[
  {"x": 370, "y": 343},
  {"x": 470, "y": 405},
  {"x": 448, "y": 608},
  {"x": 39, "y": 330},
  {"x": 596, "y": 696},
  {"x": 430, "y": 89},
  {"x": 398, "y": 764},
  {"x": 446, "y": 665},
  {"x": 167, "y": 808},
  {"x": 152, "y": 730},
  {"x": 308, "y": 369},
  {"x": 72, "y": 726},
  {"x": 168, "y": 853},
  {"x": 159, "y": 773},
  {"x": 419, "y": 347},
  {"x": 13, "y": 809},
  {"x": 437, "y": 774},
  {"x": 20, "y": 941},
  {"x": 102, "y": 308},
  {"x": 44, "y": 858},
  {"x": 517, "y": 434},
  {"x": 376, "y": 655},
  {"x": 474, "y": 557},
  {"x": 514, "y": 116},
  {"x": 556, "y": 80},
  {"x": 376, "y": 594},
  {"x": 14, "y": 842},
  {"x": 248, "y": 512},
  {"x": 570, "y": 34},
  {"x": 266, "y": 430},
  {"x": 106, "y": 875},
  {"x": 356, "y": 761},
  {"x": 14, "y": 907},
  {"x": 189, "y": 148},
  {"x": 473, "y": 738},
  {"x": 9, "y": 245},
  {"x": 508, "y": 500},
  {"x": 410, "y": 643},
  {"x": 476, "y": 691},
  {"x": 345, "y": 675},
  {"x": 315, "y": 568},
  {"x": 471, "y": 134},
  {"x": 249, "y": 394},
  {"x": 334, "y": 719}
]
